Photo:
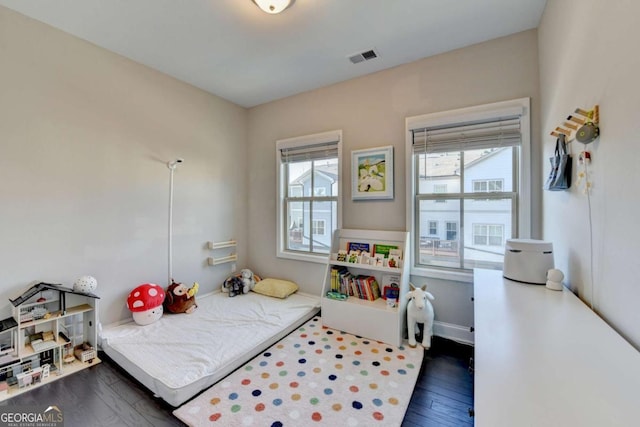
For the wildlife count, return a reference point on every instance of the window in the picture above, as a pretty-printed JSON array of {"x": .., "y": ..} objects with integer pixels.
[
  {"x": 318, "y": 227},
  {"x": 433, "y": 228},
  {"x": 309, "y": 195},
  {"x": 440, "y": 189},
  {"x": 468, "y": 166},
  {"x": 488, "y": 185},
  {"x": 452, "y": 231},
  {"x": 488, "y": 234}
]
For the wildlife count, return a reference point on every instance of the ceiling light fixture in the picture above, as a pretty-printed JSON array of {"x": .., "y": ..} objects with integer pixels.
[{"x": 273, "y": 6}]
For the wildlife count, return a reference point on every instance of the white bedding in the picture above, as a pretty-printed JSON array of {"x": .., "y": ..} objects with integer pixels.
[{"x": 181, "y": 354}]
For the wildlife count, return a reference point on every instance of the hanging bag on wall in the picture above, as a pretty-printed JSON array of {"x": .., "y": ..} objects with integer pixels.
[{"x": 560, "y": 175}]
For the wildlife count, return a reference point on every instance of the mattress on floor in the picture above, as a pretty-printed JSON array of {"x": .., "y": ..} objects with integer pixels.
[{"x": 182, "y": 354}]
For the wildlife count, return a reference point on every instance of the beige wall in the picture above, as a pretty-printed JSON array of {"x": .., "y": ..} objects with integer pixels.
[
  {"x": 371, "y": 111},
  {"x": 85, "y": 136},
  {"x": 588, "y": 56}
]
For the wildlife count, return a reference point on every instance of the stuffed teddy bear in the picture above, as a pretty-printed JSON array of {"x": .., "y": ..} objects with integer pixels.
[
  {"x": 248, "y": 280},
  {"x": 181, "y": 299}
]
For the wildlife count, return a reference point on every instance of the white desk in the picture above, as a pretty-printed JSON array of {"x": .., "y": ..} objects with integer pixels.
[{"x": 543, "y": 358}]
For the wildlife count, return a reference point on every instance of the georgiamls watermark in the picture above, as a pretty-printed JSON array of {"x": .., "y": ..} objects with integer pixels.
[{"x": 31, "y": 416}]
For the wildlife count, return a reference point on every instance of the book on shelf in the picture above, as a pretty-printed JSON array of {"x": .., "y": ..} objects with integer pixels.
[
  {"x": 394, "y": 261},
  {"x": 395, "y": 253},
  {"x": 378, "y": 260},
  {"x": 365, "y": 287},
  {"x": 359, "y": 247},
  {"x": 383, "y": 249},
  {"x": 353, "y": 256},
  {"x": 342, "y": 255},
  {"x": 391, "y": 286},
  {"x": 362, "y": 286},
  {"x": 340, "y": 279}
]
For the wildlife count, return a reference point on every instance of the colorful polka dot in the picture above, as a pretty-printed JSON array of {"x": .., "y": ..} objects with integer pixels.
[{"x": 331, "y": 363}]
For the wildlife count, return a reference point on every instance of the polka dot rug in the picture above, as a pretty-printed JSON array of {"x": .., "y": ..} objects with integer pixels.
[{"x": 314, "y": 376}]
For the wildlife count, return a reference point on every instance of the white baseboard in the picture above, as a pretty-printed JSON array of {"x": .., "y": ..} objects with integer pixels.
[{"x": 453, "y": 332}]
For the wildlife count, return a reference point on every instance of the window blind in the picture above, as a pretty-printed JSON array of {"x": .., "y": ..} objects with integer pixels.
[
  {"x": 304, "y": 153},
  {"x": 502, "y": 132}
]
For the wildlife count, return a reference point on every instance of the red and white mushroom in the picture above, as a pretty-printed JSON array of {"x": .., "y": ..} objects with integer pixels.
[{"x": 145, "y": 303}]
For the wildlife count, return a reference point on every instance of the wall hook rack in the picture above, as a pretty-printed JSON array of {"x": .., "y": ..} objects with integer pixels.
[
  {"x": 581, "y": 125},
  {"x": 221, "y": 245}
]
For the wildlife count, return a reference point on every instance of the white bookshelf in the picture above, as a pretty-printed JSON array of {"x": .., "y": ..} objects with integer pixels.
[{"x": 371, "y": 319}]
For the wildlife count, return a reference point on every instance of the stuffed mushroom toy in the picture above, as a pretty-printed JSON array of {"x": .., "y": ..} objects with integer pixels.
[{"x": 145, "y": 303}]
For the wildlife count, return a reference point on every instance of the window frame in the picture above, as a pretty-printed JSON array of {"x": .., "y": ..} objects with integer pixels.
[
  {"x": 282, "y": 194},
  {"x": 521, "y": 106}
]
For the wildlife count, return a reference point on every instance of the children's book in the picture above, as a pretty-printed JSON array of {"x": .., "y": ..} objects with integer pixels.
[
  {"x": 353, "y": 256},
  {"x": 342, "y": 255},
  {"x": 395, "y": 253},
  {"x": 359, "y": 247},
  {"x": 383, "y": 249}
]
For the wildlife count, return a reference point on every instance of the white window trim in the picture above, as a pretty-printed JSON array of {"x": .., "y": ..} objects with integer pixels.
[
  {"x": 522, "y": 107},
  {"x": 316, "y": 138}
]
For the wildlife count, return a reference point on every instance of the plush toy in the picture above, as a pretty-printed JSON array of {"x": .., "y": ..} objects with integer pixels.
[
  {"x": 420, "y": 310},
  {"x": 248, "y": 281},
  {"x": 233, "y": 285},
  {"x": 181, "y": 299},
  {"x": 145, "y": 302}
]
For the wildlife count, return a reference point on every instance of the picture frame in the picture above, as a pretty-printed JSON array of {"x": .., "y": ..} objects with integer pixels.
[{"x": 372, "y": 173}]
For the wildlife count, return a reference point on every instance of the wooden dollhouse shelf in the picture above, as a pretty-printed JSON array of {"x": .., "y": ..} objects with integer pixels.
[{"x": 41, "y": 345}]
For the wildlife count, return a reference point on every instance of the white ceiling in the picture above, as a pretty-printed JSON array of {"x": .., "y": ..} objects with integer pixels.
[{"x": 234, "y": 50}]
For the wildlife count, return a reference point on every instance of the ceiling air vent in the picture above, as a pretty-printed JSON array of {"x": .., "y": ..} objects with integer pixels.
[{"x": 363, "y": 56}]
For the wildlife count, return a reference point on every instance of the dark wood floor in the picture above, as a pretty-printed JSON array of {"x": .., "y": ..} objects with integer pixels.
[
  {"x": 105, "y": 395},
  {"x": 444, "y": 390}
]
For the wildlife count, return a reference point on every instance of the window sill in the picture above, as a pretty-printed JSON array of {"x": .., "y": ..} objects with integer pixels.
[
  {"x": 318, "y": 259},
  {"x": 432, "y": 273}
]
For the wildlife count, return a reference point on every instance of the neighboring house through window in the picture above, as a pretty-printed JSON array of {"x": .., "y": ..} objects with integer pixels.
[
  {"x": 469, "y": 170},
  {"x": 309, "y": 195}
]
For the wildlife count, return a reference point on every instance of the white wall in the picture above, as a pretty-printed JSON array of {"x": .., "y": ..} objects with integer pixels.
[
  {"x": 588, "y": 55},
  {"x": 371, "y": 111},
  {"x": 85, "y": 136}
]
